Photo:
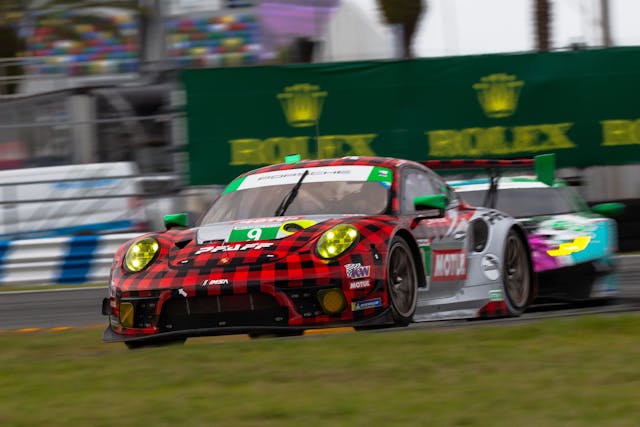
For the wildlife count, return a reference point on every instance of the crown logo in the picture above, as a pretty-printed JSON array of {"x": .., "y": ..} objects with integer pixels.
[
  {"x": 302, "y": 104},
  {"x": 498, "y": 94}
]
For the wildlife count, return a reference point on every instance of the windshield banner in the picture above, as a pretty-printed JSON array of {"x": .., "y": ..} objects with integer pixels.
[{"x": 318, "y": 174}]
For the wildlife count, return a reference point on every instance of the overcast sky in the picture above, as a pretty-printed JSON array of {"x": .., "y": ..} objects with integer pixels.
[{"x": 459, "y": 27}]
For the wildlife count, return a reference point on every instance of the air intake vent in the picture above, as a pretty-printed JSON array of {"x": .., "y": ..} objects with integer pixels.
[
  {"x": 480, "y": 235},
  {"x": 182, "y": 243}
]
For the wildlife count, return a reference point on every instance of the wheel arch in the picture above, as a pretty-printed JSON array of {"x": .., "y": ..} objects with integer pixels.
[{"x": 415, "y": 252}]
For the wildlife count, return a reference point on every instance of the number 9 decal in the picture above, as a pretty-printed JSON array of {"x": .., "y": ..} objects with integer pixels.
[{"x": 254, "y": 234}]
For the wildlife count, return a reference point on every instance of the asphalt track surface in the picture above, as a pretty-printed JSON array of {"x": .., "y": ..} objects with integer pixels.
[{"x": 26, "y": 311}]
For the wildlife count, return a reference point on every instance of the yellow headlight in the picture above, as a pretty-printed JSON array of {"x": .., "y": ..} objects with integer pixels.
[
  {"x": 140, "y": 254},
  {"x": 336, "y": 240}
]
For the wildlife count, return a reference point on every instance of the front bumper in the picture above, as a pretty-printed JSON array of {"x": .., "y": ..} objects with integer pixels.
[
  {"x": 199, "y": 311},
  {"x": 208, "y": 298},
  {"x": 110, "y": 335}
]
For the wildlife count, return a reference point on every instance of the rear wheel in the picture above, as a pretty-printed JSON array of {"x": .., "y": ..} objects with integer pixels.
[
  {"x": 402, "y": 281},
  {"x": 516, "y": 274}
]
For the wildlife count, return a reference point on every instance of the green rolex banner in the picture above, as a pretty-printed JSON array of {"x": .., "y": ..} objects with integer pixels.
[{"x": 582, "y": 105}]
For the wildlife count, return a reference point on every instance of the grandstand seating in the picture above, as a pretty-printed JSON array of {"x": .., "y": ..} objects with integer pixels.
[
  {"x": 86, "y": 42},
  {"x": 215, "y": 40},
  {"x": 79, "y": 43}
]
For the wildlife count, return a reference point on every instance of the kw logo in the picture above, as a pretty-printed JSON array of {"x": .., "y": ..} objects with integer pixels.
[
  {"x": 498, "y": 94},
  {"x": 357, "y": 270},
  {"x": 302, "y": 104}
]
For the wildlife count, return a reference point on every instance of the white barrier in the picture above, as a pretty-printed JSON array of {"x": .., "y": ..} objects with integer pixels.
[{"x": 59, "y": 260}]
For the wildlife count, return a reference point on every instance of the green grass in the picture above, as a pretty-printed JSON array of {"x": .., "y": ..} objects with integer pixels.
[{"x": 564, "y": 372}]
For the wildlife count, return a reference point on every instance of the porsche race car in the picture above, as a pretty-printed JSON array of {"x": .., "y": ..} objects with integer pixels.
[
  {"x": 359, "y": 241},
  {"x": 573, "y": 246}
]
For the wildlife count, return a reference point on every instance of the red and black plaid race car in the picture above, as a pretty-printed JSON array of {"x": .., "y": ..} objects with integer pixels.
[{"x": 358, "y": 241}]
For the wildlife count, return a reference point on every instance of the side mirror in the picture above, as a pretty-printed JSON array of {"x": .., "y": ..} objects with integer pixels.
[
  {"x": 431, "y": 206},
  {"x": 609, "y": 209},
  {"x": 176, "y": 220},
  {"x": 435, "y": 201}
]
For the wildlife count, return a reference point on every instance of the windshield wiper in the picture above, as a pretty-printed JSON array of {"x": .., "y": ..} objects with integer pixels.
[{"x": 290, "y": 196}]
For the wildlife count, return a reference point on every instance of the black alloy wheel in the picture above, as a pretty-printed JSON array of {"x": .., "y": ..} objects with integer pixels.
[
  {"x": 516, "y": 274},
  {"x": 402, "y": 281}
]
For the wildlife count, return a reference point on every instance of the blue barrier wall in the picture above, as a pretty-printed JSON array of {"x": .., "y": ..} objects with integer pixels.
[{"x": 59, "y": 260}]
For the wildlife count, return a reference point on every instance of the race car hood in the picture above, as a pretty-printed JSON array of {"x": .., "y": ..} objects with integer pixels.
[
  {"x": 563, "y": 240},
  {"x": 252, "y": 241},
  {"x": 255, "y": 229}
]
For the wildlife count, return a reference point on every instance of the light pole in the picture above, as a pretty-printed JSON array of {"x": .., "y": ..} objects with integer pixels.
[{"x": 605, "y": 23}]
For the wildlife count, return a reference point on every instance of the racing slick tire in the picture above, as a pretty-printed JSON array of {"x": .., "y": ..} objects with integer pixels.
[
  {"x": 402, "y": 282},
  {"x": 517, "y": 276}
]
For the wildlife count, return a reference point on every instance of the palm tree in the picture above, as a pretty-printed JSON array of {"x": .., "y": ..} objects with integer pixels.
[
  {"x": 405, "y": 14},
  {"x": 542, "y": 18}
]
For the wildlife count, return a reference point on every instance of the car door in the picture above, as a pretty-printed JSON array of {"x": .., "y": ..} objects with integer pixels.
[{"x": 441, "y": 240}]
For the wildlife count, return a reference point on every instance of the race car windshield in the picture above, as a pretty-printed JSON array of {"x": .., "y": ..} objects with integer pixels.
[
  {"x": 526, "y": 202},
  {"x": 313, "y": 198}
]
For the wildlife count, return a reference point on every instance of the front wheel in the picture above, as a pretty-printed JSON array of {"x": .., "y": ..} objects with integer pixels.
[
  {"x": 402, "y": 282},
  {"x": 517, "y": 276}
]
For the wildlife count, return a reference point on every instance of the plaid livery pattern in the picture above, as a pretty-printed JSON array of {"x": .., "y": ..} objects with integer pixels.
[
  {"x": 281, "y": 277},
  {"x": 178, "y": 273},
  {"x": 494, "y": 309}
]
